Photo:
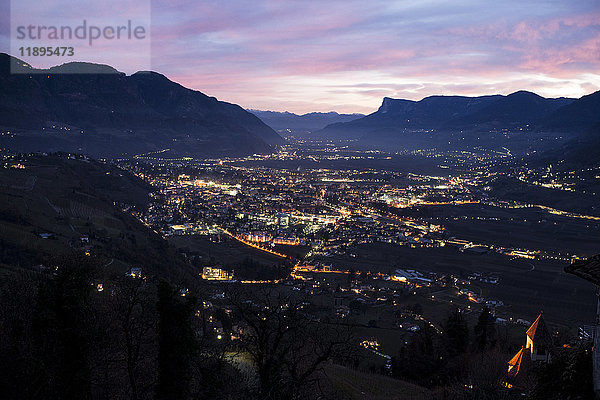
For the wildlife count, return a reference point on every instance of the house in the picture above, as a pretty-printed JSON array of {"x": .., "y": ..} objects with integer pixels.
[
  {"x": 135, "y": 272},
  {"x": 216, "y": 274},
  {"x": 342, "y": 311}
]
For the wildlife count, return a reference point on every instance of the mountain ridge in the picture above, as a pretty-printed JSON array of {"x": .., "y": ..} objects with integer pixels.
[
  {"x": 522, "y": 120},
  {"x": 103, "y": 112},
  {"x": 307, "y": 122},
  {"x": 451, "y": 112}
]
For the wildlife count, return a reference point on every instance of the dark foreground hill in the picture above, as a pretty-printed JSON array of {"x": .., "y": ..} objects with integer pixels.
[
  {"x": 52, "y": 205},
  {"x": 105, "y": 113}
]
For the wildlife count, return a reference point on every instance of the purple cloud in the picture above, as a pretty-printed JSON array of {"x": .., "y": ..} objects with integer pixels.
[{"x": 344, "y": 55}]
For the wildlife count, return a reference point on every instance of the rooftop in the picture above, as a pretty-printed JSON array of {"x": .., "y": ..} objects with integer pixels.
[
  {"x": 519, "y": 361},
  {"x": 539, "y": 332}
]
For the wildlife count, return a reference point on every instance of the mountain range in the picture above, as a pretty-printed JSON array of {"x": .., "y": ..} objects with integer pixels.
[
  {"x": 97, "y": 110},
  {"x": 438, "y": 119},
  {"x": 287, "y": 122}
]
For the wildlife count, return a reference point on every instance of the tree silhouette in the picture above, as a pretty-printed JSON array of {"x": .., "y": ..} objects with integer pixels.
[
  {"x": 455, "y": 334},
  {"x": 285, "y": 343},
  {"x": 177, "y": 343},
  {"x": 485, "y": 330},
  {"x": 61, "y": 330},
  {"x": 420, "y": 360},
  {"x": 567, "y": 376}
]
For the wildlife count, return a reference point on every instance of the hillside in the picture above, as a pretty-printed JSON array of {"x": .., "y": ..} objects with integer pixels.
[
  {"x": 49, "y": 203},
  {"x": 105, "y": 113},
  {"x": 518, "y": 109},
  {"x": 579, "y": 152},
  {"x": 521, "y": 118},
  {"x": 581, "y": 114},
  {"x": 350, "y": 384}
]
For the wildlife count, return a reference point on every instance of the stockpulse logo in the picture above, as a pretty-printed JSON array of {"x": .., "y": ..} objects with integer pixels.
[{"x": 89, "y": 33}]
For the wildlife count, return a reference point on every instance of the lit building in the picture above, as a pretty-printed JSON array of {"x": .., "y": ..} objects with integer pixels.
[
  {"x": 216, "y": 274},
  {"x": 536, "y": 349},
  {"x": 135, "y": 272}
]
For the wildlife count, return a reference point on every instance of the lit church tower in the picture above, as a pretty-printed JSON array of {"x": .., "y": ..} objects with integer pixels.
[
  {"x": 537, "y": 348},
  {"x": 539, "y": 340}
]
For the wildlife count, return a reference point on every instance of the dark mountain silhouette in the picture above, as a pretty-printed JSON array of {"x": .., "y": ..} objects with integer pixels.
[
  {"x": 97, "y": 110},
  {"x": 302, "y": 123},
  {"x": 398, "y": 115},
  {"x": 581, "y": 151},
  {"x": 515, "y": 110},
  {"x": 454, "y": 113},
  {"x": 431, "y": 112},
  {"x": 581, "y": 115}
]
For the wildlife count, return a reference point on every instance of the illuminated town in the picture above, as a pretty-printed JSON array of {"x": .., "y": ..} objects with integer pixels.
[
  {"x": 323, "y": 221},
  {"x": 300, "y": 200}
]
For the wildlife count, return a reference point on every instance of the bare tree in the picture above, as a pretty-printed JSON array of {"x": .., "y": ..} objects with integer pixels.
[
  {"x": 485, "y": 378},
  {"x": 125, "y": 329},
  {"x": 134, "y": 311},
  {"x": 286, "y": 343}
]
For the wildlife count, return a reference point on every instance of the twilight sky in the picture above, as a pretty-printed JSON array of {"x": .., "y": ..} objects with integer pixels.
[{"x": 346, "y": 55}]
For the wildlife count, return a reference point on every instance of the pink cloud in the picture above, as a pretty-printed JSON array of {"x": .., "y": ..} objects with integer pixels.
[{"x": 308, "y": 55}]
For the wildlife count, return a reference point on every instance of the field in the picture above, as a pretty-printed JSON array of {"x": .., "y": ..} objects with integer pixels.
[
  {"x": 225, "y": 253},
  {"x": 525, "y": 286},
  {"x": 246, "y": 262},
  {"x": 582, "y": 202},
  {"x": 531, "y": 228}
]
